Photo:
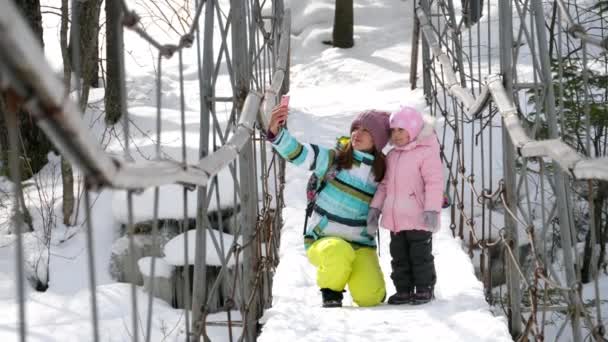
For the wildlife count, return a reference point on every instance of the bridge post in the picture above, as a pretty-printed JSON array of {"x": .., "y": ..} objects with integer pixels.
[
  {"x": 414, "y": 55},
  {"x": 199, "y": 286},
  {"x": 561, "y": 190},
  {"x": 426, "y": 59},
  {"x": 279, "y": 17},
  {"x": 512, "y": 239},
  {"x": 247, "y": 182},
  {"x": 457, "y": 45}
]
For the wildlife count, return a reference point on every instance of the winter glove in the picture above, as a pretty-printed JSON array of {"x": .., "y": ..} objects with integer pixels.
[
  {"x": 372, "y": 221},
  {"x": 430, "y": 220}
]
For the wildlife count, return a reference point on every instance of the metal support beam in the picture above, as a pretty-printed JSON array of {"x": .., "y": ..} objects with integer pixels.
[
  {"x": 199, "y": 286},
  {"x": 247, "y": 181},
  {"x": 415, "y": 44},
  {"x": 426, "y": 57},
  {"x": 506, "y": 69},
  {"x": 561, "y": 191}
]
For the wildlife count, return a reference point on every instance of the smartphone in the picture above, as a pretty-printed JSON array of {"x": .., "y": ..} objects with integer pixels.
[{"x": 285, "y": 100}]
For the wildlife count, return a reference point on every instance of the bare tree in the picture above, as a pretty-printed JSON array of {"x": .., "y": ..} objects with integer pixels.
[
  {"x": 87, "y": 29},
  {"x": 4, "y": 146},
  {"x": 33, "y": 141},
  {"x": 113, "y": 62},
  {"x": 11, "y": 104},
  {"x": 85, "y": 38},
  {"x": 34, "y": 145},
  {"x": 67, "y": 176}
]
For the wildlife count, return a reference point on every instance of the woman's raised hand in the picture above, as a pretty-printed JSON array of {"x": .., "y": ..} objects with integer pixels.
[{"x": 278, "y": 118}]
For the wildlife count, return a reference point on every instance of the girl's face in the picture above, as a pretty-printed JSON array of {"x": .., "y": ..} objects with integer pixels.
[
  {"x": 361, "y": 139},
  {"x": 399, "y": 137}
]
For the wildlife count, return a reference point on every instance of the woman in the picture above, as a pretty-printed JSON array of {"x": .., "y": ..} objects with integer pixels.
[{"x": 338, "y": 240}]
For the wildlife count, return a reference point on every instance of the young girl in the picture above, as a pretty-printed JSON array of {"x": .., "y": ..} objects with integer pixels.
[
  {"x": 337, "y": 240},
  {"x": 410, "y": 198}
]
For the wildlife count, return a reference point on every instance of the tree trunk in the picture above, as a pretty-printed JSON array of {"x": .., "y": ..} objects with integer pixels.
[
  {"x": 552, "y": 35},
  {"x": 31, "y": 11},
  {"x": 88, "y": 43},
  {"x": 4, "y": 146},
  {"x": 27, "y": 218},
  {"x": 473, "y": 10},
  {"x": 586, "y": 269},
  {"x": 10, "y": 108},
  {"x": 598, "y": 200},
  {"x": 113, "y": 63},
  {"x": 35, "y": 144},
  {"x": 603, "y": 194},
  {"x": 343, "y": 24},
  {"x": 67, "y": 177},
  {"x": 603, "y": 238},
  {"x": 13, "y": 151}
]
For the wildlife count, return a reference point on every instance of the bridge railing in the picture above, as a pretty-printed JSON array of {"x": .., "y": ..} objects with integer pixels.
[
  {"x": 258, "y": 65},
  {"x": 513, "y": 174}
]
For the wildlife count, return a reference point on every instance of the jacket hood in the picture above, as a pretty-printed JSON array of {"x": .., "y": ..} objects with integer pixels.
[{"x": 426, "y": 136}]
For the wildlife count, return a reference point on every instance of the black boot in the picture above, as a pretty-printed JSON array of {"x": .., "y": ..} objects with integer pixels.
[
  {"x": 404, "y": 297},
  {"x": 423, "y": 295},
  {"x": 331, "y": 298}
]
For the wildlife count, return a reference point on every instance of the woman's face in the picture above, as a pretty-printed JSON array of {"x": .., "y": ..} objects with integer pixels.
[
  {"x": 361, "y": 139},
  {"x": 399, "y": 136}
]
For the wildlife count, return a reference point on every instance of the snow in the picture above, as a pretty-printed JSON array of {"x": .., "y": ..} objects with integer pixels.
[
  {"x": 459, "y": 312},
  {"x": 174, "y": 249},
  {"x": 66, "y": 318},
  {"x": 143, "y": 203},
  {"x": 328, "y": 87},
  {"x": 162, "y": 268}
]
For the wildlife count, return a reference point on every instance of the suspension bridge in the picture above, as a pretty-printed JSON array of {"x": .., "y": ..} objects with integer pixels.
[{"x": 525, "y": 166}]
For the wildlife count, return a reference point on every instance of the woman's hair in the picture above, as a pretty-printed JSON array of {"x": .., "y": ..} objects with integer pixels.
[{"x": 345, "y": 159}]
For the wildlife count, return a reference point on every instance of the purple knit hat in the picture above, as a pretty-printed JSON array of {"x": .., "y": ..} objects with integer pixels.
[
  {"x": 376, "y": 122},
  {"x": 409, "y": 119}
]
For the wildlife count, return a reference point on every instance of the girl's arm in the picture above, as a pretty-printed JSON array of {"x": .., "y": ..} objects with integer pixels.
[
  {"x": 309, "y": 156},
  {"x": 312, "y": 157},
  {"x": 278, "y": 118},
  {"x": 432, "y": 174}
]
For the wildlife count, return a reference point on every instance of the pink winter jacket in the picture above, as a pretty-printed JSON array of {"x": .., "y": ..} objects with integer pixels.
[{"x": 412, "y": 184}]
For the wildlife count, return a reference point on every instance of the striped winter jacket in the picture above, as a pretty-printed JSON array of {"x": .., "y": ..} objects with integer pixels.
[{"x": 342, "y": 205}]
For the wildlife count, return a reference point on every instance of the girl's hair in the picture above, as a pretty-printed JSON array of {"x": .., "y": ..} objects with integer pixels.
[{"x": 345, "y": 159}]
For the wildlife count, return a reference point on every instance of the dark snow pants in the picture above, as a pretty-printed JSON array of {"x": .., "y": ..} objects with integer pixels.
[{"x": 412, "y": 260}]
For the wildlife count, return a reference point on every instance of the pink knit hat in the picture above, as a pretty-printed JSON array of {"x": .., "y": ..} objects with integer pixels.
[
  {"x": 376, "y": 122},
  {"x": 409, "y": 119}
]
